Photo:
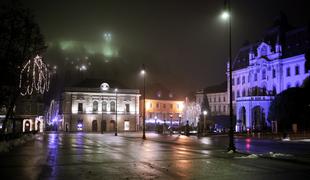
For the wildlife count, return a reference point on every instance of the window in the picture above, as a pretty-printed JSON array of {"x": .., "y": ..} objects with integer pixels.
[
  {"x": 296, "y": 70},
  {"x": 238, "y": 81},
  {"x": 238, "y": 94},
  {"x": 126, "y": 125},
  {"x": 288, "y": 85},
  {"x": 243, "y": 79},
  {"x": 214, "y": 100},
  {"x": 80, "y": 107},
  {"x": 297, "y": 84},
  {"x": 255, "y": 77},
  {"x": 151, "y": 105},
  {"x": 178, "y": 106},
  {"x": 249, "y": 78},
  {"x": 264, "y": 74},
  {"x": 288, "y": 72},
  {"x": 273, "y": 73},
  {"x": 95, "y": 106},
  {"x": 112, "y": 106},
  {"x": 243, "y": 92},
  {"x": 274, "y": 90},
  {"x": 164, "y": 105},
  {"x": 104, "y": 106},
  {"x": 224, "y": 108},
  {"x": 233, "y": 81},
  {"x": 219, "y": 99},
  {"x": 127, "y": 107},
  {"x": 157, "y": 105},
  {"x": 171, "y": 106},
  {"x": 224, "y": 99}
]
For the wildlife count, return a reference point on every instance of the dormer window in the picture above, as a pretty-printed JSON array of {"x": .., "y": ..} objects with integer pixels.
[{"x": 263, "y": 51}]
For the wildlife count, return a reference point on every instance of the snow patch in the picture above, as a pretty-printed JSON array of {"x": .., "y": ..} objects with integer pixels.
[
  {"x": 251, "y": 156},
  {"x": 275, "y": 155}
]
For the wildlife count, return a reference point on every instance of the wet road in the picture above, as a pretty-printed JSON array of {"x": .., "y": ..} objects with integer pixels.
[{"x": 97, "y": 156}]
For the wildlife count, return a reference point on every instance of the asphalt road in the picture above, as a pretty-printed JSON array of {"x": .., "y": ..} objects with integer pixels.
[{"x": 127, "y": 156}]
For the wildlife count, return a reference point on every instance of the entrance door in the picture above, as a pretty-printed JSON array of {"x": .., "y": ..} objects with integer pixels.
[
  {"x": 39, "y": 126},
  {"x": 94, "y": 126},
  {"x": 27, "y": 126},
  {"x": 103, "y": 125}
]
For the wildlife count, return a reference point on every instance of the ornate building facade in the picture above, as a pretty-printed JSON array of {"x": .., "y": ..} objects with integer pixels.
[
  {"x": 262, "y": 70},
  {"x": 100, "y": 109}
]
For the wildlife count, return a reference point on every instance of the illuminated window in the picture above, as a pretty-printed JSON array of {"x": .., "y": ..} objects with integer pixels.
[
  {"x": 95, "y": 106},
  {"x": 288, "y": 72},
  {"x": 264, "y": 74},
  {"x": 104, "y": 106},
  {"x": 296, "y": 70},
  {"x": 80, "y": 107},
  {"x": 273, "y": 73},
  {"x": 112, "y": 106},
  {"x": 126, "y": 125},
  {"x": 127, "y": 107}
]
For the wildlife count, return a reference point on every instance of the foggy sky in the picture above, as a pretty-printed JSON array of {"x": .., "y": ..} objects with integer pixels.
[{"x": 184, "y": 44}]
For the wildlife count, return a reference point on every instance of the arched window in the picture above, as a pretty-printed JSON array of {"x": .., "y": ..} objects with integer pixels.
[
  {"x": 95, "y": 106},
  {"x": 104, "y": 106},
  {"x": 264, "y": 74},
  {"x": 112, "y": 106}
]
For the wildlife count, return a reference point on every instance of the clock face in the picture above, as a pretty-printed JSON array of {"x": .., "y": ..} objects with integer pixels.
[{"x": 104, "y": 86}]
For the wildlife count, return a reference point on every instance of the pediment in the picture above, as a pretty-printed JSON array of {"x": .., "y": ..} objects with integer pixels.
[{"x": 263, "y": 50}]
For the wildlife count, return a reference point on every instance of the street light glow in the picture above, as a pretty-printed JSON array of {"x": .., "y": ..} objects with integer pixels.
[
  {"x": 225, "y": 15},
  {"x": 205, "y": 112},
  {"x": 142, "y": 72}
]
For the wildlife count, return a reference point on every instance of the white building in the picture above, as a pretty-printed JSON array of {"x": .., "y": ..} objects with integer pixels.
[
  {"x": 217, "y": 98},
  {"x": 264, "y": 69},
  {"x": 100, "y": 109},
  {"x": 260, "y": 71}
]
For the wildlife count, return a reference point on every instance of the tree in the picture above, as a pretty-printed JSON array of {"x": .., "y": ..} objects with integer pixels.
[
  {"x": 290, "y": 107},
  {"x": 20, "y": 40}
]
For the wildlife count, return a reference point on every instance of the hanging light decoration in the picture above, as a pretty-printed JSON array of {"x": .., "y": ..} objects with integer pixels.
[{"x": 34, "y": 76}]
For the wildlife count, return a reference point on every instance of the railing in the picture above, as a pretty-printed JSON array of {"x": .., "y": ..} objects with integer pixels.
[{"x": 255, "y": 98}]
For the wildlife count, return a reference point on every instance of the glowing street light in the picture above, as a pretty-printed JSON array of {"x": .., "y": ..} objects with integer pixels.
[
  {"x": 204, "y": 120},
  {"x": 115, "y": 90},
  {"x": 142, "y": 72},
  {"x": 226, "y": 16}
]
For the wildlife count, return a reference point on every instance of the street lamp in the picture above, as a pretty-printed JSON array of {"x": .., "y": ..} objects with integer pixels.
[
  {"x": 142, "y": 72},
  {"x": 226, "y": 15},
  {"x": 116, "y": 90},
  {"x": 204, "y": 120}
]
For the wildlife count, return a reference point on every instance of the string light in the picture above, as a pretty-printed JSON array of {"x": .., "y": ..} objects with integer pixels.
[{"x": 34, "y": 76}]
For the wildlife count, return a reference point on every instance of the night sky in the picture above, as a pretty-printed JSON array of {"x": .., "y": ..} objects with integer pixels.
[{"x": 183, "y": 43}]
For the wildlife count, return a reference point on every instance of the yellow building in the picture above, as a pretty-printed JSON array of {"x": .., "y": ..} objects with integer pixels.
[{"x": 163, "y": 111}]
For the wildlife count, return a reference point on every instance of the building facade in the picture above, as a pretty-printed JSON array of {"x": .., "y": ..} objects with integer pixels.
[
  {"x": 217, "y": 99},
  {"x": 100, "y": 109},
  {"x": 263, "y": 70},
  {"x": 161, "y": 111}
]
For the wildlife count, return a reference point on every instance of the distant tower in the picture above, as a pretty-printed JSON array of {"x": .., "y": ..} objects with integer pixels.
[
  {"x": 251, "y": 54},
  {"x": 278, "y": 45}
]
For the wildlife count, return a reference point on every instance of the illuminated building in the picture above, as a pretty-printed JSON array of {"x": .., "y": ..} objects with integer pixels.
[
  {"x": 96, "y": 109},
  {"x": 163, "y": 111},
  {"x": 263, "y": 69}
]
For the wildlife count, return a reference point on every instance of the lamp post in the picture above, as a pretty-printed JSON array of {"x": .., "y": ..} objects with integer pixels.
[
  {"x": 204, "y": 120},
  {"x": 116, "y": 90},
  {"x": 226, "y": 15},
  {"x": 142, "y": 72}
]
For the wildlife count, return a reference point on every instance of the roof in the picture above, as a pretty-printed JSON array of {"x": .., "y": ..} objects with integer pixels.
[
  {"x": 217, "y": 88},
  {"x": 294, "y": 41}
]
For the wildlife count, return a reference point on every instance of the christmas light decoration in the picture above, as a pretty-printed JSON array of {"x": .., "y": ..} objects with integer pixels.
[{"x": 34, "y": 76}]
